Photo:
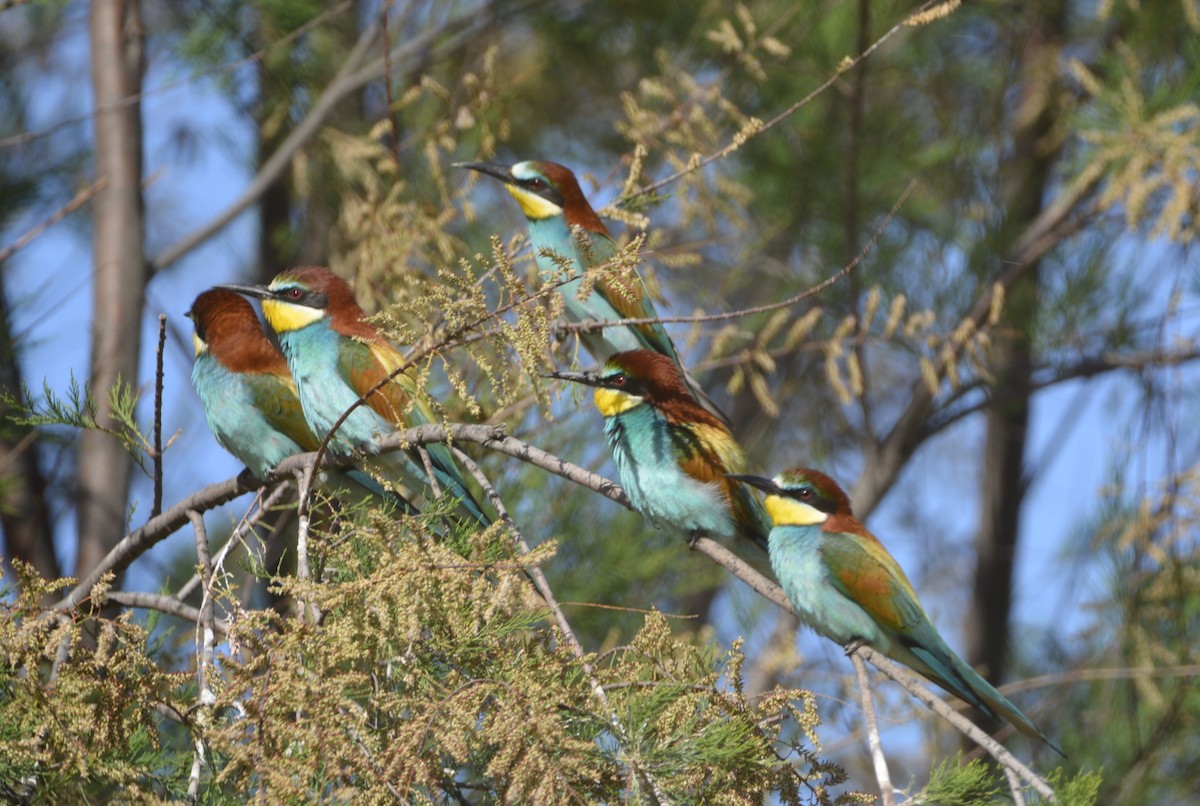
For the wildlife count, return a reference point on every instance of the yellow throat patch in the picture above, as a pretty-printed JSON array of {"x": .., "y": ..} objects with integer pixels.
[
  {"x": 284, "y": 317},
  {"x": 790, "y": 512},
  {"x": 199, "y": 343},
  {"x": 612, "y": 402},
  {"x": 533, "y": 205}
]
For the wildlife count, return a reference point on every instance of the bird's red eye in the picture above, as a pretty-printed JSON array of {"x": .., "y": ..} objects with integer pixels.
[
  {"x": 805, "y": 494},
  {"x": 295, "y": 293},
  {"x": 536, "y": 183},
  {"x": 619, "y": 380}
]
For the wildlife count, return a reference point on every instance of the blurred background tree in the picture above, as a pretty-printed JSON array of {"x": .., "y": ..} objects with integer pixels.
[{"x": 1004, "y": 379}]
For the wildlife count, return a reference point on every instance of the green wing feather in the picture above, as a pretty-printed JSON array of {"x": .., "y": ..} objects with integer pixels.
[
  {"x": 862, "y": 570},
  {"x": 275, "y": 396},
  {"x": 364, "y": 364}
]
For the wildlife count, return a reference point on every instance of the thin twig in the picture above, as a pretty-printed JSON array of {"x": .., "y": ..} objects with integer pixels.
[
  {"x": 303, "y": 573},
  {"x": 886, "y": 791},
  {"x": 206, "y": 638},
  {"x": 742, "y": 137},
  {"x": 427, "y": 462},
  {"x": 237, "y": 536},
  {"x": 158, "y": 407},
  {"x": 785, "y": 303},
  {"x": 81, "y": 198},
  {"x": 1014, "y": 786}
]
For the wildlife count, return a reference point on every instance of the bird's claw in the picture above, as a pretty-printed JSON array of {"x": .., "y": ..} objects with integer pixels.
[
  {"x": 854, "y": 646},
  {"x": 246, "y": 479}
]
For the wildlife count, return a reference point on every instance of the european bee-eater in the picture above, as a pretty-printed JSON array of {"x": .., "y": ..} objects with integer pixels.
[
  {"x": 336, "y": 357},
  {"x": 243, "y": 381},
  {"x": 557, "y": 210},
  {"x": 673, "y": 454},
  {"x": 846, "y": 586},
  {"x": 249, "y": 396},
  {"x": 553, "y": 204}
]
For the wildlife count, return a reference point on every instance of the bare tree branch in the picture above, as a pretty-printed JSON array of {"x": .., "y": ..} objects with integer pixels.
[
  {"x": 163, "y": 604},
  {"x": 81, "y": 198},
  {"x": 349, "y": 79},
  {"x": 493, "y": 438},
  {"x": 886, "y": 792},
  {"x": 158, "y": 406},
  {"x": 172, "y": 519},
  {"x": 947, "y": 712},
  {"x": 248, "y": 522},
  {"x": 206, "y": 638}
]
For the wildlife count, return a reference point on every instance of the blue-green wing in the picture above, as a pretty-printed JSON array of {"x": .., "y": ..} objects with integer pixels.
[
  {"x": 363, "y": 365},
  {"x": 275, "y": 397}
]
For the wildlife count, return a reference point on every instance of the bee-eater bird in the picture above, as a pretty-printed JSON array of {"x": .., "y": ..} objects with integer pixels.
[
  {"x": 243, "y": 381},
  {"x": 553, "y": 204},
  {"x": 846, "y": 586},
  {"x": 249, "y": 396},
  {"x": 336, "y": 358},
  {"x": 673, "y": 454},
  {"x": 556, "y": 209}
]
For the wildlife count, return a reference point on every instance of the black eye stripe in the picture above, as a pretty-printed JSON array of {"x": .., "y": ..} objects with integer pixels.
[
  {"x": 302, "y": 296},
  {"x": 810, "y": 496},
  {"x": 624, "y": 383},
  {"x": 541, "y": 187}
]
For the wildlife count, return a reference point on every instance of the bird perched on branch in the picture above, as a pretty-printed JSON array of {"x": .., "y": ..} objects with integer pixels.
[
  {"x": 553, "y": 203},
  {"x": 564, "y": 227},
  {"x": 337, "y": 358},
  {"x": 673, "y": 454},
  {"x": 846, "y": 586},
  {"x": 243, "y": 381},
  {"x": 249, "y": 397}
]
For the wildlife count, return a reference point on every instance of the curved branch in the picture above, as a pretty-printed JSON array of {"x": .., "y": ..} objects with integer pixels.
[
  {"x": 947, "y": 712},
  {"x": 137, "y": 542},
  {"x": 163, "y": 604},
  {"x": 352, "y": 76},
  {"x": 274, "y": 166},
  {"x": 494, "y": 438}
]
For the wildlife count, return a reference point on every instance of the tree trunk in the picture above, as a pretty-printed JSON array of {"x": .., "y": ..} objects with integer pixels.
[
  {"x": 120, "y": 271},
  {"x": 1004, "y": 484},
  {"x": 28, "y": 535}
]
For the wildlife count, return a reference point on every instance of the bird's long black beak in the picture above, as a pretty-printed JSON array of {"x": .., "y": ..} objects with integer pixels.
[
  {"x": 259, "y": 291},
  {"x": 587, "y": 377},
  {"x": 766, "y": 485},
  {"x": 492, "y": 169}
]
